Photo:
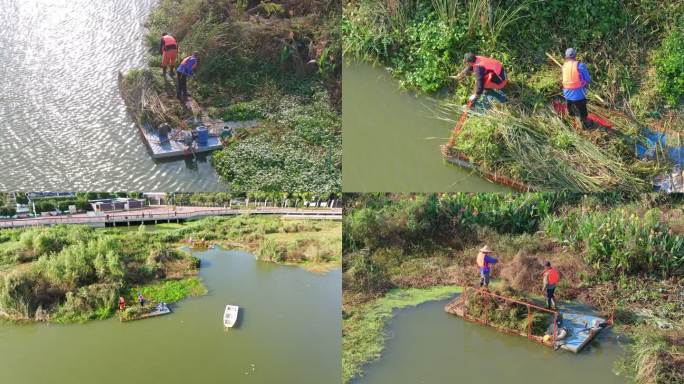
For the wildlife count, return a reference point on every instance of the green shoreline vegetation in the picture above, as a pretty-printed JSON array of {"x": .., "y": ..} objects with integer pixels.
[
  {"x": 620, "y": 253},
  {"x": 633, "y": 50},
  {"x": 277, "y": 62},
  {"x": 76, "y": 273},
  {"x": 363, "y": 335}
]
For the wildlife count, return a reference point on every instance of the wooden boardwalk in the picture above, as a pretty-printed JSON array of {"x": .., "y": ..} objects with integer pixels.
[{"x": 166, "y": 214}]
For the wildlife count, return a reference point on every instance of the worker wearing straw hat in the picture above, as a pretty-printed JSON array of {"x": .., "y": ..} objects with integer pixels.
[{"x": 484, "y": 260}]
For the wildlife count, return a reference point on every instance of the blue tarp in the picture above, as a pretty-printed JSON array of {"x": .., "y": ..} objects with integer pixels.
[
  {"x": 654, "y": 140},
  {"x": 671, "y": 182},
  {"x": 581, "y": 329}
]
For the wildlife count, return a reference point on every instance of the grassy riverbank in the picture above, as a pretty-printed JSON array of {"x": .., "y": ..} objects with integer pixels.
[
  {"x": 74, "y": 274},
  {"x": 275, "y": 62},
  {"x": 312, "y": 244},
  {"x": 363, "y": 326},
  {"x": 619, "y": 253}
]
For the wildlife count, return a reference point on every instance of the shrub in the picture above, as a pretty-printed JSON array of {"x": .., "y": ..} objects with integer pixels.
[
  {"x": 621, "y": 242},
  {"x": 243, "y": 111},
  {"x": 669, "y": 63},
  {"x": 96, "y": 301},
  {"x": 270, "y": 250},
  {"x": 17, "y": 294}
]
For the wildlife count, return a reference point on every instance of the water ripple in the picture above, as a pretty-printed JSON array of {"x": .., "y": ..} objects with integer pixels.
[{"x": 63, "y": 125}]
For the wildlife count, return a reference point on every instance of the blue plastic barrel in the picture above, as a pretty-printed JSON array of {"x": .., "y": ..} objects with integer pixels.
[{"x": 202, "y": 136}]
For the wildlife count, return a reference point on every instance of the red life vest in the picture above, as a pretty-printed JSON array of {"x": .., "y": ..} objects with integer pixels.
[
  {"x": 553, "y": 276},
  {"x": 571, "y": 75},
  {"x": 492, "y": 68},
  {"x": 489, "y": 64},
  {"x": 169, "y": 42}
]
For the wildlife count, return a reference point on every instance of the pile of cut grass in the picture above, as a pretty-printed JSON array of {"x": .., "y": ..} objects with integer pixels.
[
  {"x": 503, "y": 314},
  {"x": 545, "y": 153}
]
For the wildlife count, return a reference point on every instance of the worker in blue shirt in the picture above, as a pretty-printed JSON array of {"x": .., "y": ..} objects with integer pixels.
[
  {"x": 575, "y": 78},
  {"x": 185, "y": 69},
  {"x": 484, "y": 261}
]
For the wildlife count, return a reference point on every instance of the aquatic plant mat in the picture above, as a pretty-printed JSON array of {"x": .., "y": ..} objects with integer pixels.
[
  {"x": 543, "y": 151},
  {"x": 363, "y": 327}
]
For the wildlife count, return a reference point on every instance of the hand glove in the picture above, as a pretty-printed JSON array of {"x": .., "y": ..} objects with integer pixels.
[{"x": 472, "y": 98}]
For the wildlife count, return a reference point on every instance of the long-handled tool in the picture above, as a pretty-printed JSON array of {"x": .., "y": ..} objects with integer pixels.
[
  {"x": 459, "y": 125},
  {"x": 561, "y": 65},
  {"x": 602, "y": 121}
]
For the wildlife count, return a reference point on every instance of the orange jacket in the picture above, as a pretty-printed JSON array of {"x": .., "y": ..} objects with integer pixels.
[{"x": 571, "y": 75}]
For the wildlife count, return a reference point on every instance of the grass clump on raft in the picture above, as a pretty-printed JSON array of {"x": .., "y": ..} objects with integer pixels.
[
  {"x": 503, "y": 314},
  {"x": 545, "y": 153},
  {"x": 363, "y": 335},
  {"x": 146, "y": 96}
]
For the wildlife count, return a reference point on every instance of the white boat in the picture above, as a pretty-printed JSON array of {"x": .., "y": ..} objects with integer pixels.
[{"x": 230, "y": 315}]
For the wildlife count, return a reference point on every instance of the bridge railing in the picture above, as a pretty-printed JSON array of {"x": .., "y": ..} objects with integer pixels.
[{"x": 160, "y": 214}]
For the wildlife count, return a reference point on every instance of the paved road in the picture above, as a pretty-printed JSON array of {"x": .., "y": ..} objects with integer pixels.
[{"x": 164, "y": 213}]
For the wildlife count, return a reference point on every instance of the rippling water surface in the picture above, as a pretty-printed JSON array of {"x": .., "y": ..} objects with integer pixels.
[{"x": 63, "y": 124}]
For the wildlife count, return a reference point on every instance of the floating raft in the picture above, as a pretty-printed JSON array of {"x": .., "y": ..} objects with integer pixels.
[
  {"x": 171, "y": 148},
  {"x": 156, "y": 312},
  {"x": 671, "y": 182},
  {"x": 460, "y": 159},
  {"x": 580, "y": 328},
  {"x": 175, "y": 147}
]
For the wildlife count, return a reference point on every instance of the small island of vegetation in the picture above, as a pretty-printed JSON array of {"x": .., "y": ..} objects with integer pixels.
[{"x": 77, "y": 273}]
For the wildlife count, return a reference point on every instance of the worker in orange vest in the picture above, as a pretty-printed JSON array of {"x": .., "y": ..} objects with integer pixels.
[
  {"x": 551, "y": 277},
  {"x": 575, "y": 79},
  {"x": 490, "y": 75},
  {"x": 484, "y": 261},
  {"x": 168, "y": 47}
]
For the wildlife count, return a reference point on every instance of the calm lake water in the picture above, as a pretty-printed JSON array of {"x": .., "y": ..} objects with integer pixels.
[
  {"x": 288, "y": 332},
  {"x": 428, "y": 345},
  {"x": 63, "y": 124},
  {"x": 392, "y": 138}
]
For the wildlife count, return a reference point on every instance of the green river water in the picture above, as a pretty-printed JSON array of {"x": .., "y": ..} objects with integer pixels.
[
  {"x": 288, "y": 331},
  {"x": 392, "y": 138},
  {"x": 427, "y": 345}
]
